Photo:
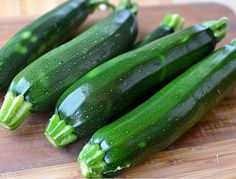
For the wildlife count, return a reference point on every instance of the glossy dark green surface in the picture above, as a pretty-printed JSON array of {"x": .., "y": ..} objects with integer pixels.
[
  {"x": 167, "y": 115},
  {"x": 170, "y": 23},
  {"x": 156, "y": 34},
  {"x": 114, "y": 87},
  {"x": 42, "y": 35},
  {"x": 44, "y": 80}
]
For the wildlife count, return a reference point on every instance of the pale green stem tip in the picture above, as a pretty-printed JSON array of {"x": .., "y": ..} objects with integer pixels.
[
  {"x": 233, "y": 42},
  {"x": 14, "y": 111},
  {"x": 59, "y": 133},
  {"x": 127, "y": 4},
  {"x": 218, "y": 27},
  {"x": 173, "y": 21},
  {"x": 91, "y": 161}
]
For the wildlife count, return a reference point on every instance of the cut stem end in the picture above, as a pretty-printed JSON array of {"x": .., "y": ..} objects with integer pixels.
[
  {"x": 14, "y": 111},
  {"x": 91, "y": 161},
  {"x": 218, "y": 27},
  {"x": 127, "y": 4},
  {"x": 173, "y": 21},
  {"x": 233, "y": 42},
  {"x": 59, "y": 133}
]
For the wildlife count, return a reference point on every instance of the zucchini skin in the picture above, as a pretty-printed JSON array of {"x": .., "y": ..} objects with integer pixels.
[
  {"x": 167, "y": 115},
  {"x": 116, "y": 86},
  {"x": 169, "y": 24},
  {"x": 44, "y": 80},
  {"x": 42, "y": 35},
  {"x": 156, "y": 34},
  {"x": 58, "y": 132}
]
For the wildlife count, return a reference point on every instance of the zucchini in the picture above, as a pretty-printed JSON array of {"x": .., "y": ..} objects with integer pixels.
[
  {"x": 115, "y": 87},
  {"x": 170, "y": 24},
  {"x": 163, "y": 118},
  {"x": 38, "y": 86},
  {"x": 42, "y": 35}
]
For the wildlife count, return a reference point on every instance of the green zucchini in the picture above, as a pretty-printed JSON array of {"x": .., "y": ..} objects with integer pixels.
[
  {"x": 115, "y": 87},
  {"x": 42, "y": 35},
  {"x": 38, "y": 86},
  {"x": 170, "y": 24},
  {"x": 163, "y": 118}
]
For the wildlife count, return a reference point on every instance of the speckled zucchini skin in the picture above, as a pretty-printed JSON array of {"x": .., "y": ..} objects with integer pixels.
[
  {"x": 170, "y": 23},
  {"x": 116, "y": 86},
  {"x": 40, "y": 36},
  {"x": 44, "y": 80},
  {"x": 167, "y": 115},
  {"x": 158, "y": 33}
]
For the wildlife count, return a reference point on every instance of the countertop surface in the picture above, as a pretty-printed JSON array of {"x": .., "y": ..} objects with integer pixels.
[{"x": 33, "y": 7}]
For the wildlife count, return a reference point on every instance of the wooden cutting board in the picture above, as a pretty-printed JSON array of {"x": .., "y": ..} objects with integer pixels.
[{"x": 208, "y": 150}]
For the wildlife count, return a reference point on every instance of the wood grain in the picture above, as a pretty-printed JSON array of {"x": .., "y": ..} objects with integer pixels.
[
  {"x": 32, "y": 7},
  {"x": 208, "y": 150}
]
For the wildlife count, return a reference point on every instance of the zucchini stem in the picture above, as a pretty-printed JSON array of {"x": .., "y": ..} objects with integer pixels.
[
  {"x": 218, "y": 27},
  {"x": 127, "y": 4},
  {"x": 14, "y": 111},
  {"x": 233, "y": 42},
  {"x": 91, "y": 161},
  {"x": 58, "y": 133},
  {"x": 173, "y": 21}
]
